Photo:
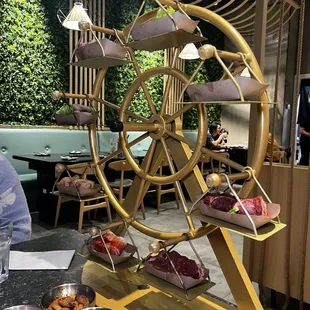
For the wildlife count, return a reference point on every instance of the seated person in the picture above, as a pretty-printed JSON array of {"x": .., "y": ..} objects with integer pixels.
[
  {"x": 216, "y": 138},
  {"x": 13, "y": 204}
]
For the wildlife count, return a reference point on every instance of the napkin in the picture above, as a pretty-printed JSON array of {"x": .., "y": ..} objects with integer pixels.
[{"x": 40, "y": 260}]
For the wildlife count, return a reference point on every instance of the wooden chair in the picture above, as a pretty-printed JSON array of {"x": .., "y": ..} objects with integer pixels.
[
  {"x": 219, "y": 168},
  {"x": 119, "y": 184},
  {"x": 280, "y": 157},
  {"x": 160, "y": 191},
  {"x": 205, "y": 158},
  {"x": 94, "y": 202}
]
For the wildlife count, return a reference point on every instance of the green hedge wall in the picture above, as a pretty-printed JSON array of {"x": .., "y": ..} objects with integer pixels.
[
  {"x": 119, "y": 14},
  {"x": 33, "y": 53}
]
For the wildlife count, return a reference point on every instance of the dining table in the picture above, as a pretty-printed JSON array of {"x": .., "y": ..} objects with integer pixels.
[
  {"x": 26, "y": 287},
  {"x": 124, "y": 289},
  {"x": 46, "y": 175}
]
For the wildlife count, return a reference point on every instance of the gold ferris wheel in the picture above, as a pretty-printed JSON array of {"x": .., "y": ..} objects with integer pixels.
[{"x": 168, "y": 141}]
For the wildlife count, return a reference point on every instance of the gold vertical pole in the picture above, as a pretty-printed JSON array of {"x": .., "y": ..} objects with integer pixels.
[
  {"x": 259, "y": 52},
  {"x": 234, "y": 271}
]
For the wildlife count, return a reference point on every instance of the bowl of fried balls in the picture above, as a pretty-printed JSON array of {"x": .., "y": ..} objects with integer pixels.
[{"x": 71, "y": 296}]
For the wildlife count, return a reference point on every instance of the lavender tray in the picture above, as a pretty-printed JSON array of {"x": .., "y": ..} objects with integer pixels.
[
  {"x": 163, "y": 25},
  {"x": 93, "y": 50}
]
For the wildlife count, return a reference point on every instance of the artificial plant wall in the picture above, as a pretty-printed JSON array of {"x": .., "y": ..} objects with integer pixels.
[
  {"x": 119, "y": 14},
  {"x": 33, "y": 56}
]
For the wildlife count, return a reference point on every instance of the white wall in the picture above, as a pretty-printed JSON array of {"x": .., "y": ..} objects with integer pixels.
[{"x": 236, "y": 118}]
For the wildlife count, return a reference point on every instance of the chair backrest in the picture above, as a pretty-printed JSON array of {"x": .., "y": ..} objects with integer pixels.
[
  {"x": 279, "y": 156},
  {"x": 82, "y": 169},
  {"x": 205, "y": 158},
  {"x": 121, "y": 165}
]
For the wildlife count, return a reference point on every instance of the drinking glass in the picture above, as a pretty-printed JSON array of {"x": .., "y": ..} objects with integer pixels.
[
  {"x": 6, "y": 228},
  {"x": 113, "y": 145}
]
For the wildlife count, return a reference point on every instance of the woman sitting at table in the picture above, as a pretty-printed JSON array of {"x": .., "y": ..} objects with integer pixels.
[
  {"x": 13, "y": 204},
  {"x": 216, "y": 138}
]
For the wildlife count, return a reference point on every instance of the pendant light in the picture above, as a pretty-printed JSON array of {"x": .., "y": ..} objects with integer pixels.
[
  {"x": 189, "y": 52},
  {"x": 76, "y": 15}
]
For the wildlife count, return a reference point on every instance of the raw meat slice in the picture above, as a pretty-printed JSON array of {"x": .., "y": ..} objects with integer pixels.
[
  {"x": 114, "y": 244},
  {"x": 183, "y": 265},
  {"x": 226, "y": 202},
  {"x": 109, "y": 236},
  {"x": 223, "y": 203},
  {"x": 254, "y": 206}
]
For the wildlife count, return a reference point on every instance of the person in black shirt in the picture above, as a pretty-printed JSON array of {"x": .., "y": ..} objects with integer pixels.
[
  {"x": 215, "y": 138},
  {"x": 304, "y": 121},
  {"x": 304, "y": 145}
]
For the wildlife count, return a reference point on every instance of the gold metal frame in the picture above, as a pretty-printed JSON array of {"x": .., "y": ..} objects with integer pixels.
[{"x": 168, "y": 141}]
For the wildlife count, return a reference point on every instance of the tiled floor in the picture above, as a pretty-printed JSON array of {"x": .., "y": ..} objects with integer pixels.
[{"x": 170, "y": 219}]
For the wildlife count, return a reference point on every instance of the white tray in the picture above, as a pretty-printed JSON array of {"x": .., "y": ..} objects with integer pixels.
[
  {"x": 127, "y": 254},
  {"x": 241, "y": 219}
]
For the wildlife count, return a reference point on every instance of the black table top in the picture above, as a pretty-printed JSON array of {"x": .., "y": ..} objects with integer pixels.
[
  {"x": 26, "y": 287},
  {"x": 53, "y": 159},
  {"x": 56, "y": 158}
]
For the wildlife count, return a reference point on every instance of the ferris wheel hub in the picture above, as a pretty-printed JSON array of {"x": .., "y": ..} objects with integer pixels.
[{"x": 158, "y": 120}]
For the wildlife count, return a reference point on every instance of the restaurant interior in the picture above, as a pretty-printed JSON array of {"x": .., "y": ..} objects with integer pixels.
[{"x": 154, "y": 154}]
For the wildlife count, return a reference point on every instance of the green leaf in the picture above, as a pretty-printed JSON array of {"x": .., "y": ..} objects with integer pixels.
[{"x": 162, "y": 13}]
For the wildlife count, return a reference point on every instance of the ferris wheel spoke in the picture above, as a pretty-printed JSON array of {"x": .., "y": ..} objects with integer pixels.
[
  {"x": 150, "y": 154},
  {"x": 180, "y": 112},
  {"x": 128, "y": 145},
  {"x": 117, "y": 108},
  {"x": 136, "y": 116},
  {"x": 177, "y": 185},
  {"x": 180, "y": 138},
  {"x": 148, "y": 98}
]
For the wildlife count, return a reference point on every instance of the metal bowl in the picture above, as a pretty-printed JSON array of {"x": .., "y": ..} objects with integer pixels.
[
  {"x": 23, "y": 307},
  {"x": 67, "y": 289},
  {"x": 97, "y": 308}
]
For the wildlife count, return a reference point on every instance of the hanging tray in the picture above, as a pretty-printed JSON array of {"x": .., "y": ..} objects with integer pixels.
[
  {"x": 167, "y": 40},
  {"x": 225, "y": 90},
  {"x": 82, "y": 191},
  {"x": 126, "y": 254},
  {"x": 171, "y": 277},
  {"x": 91, "y": 55},
  {"x": 94, "y": 50},
  {"x": 167, "y": 286},
  {"x": 265, "y": 226},
  {"x": 100, "y": 62},
  {"x": 163, "y": 25},
  {"x": 263, "y": 232},
  {"x": 225, "y": 102},
  {"x": 241, "y": 219},
  {"x": 85, "y": 118},
  {"x": 65, "y": 119}
]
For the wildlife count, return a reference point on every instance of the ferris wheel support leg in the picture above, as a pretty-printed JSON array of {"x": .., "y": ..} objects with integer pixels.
[{"x": 233, "y": 270}]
